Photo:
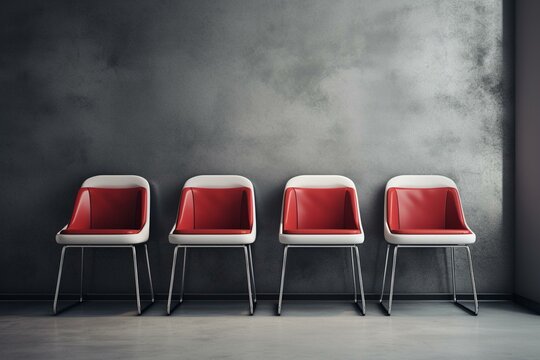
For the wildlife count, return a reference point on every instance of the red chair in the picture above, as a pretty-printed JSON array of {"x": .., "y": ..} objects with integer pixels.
[
  {"x": 215, "y": 211},
  {"x": 110, "y": 211},
  {"x": 321, "y": 211},
  {"x": 424, "y": 211}
]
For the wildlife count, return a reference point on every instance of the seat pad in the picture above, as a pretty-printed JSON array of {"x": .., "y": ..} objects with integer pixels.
[
  {"x": 99, "y": 231},
  {"x": 431, "y": 231},
  {"x": 212, "y": 231},
  {"x": 322, "y": 231}
]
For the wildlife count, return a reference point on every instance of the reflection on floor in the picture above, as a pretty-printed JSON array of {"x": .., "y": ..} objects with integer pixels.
[{"x": 306, "y": 330}]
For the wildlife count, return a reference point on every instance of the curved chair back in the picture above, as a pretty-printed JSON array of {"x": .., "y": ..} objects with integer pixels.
[
  {"x": 320, "y": 182},
  {"x": 223, "y": 182},
  {"x": 422, "y": 182},
  {"x": 122, "y": 182}
]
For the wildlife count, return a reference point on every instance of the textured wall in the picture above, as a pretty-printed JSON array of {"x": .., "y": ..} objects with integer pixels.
[
  {"x": 266, "y": 89},
  {"x": 527, "y": 149}
]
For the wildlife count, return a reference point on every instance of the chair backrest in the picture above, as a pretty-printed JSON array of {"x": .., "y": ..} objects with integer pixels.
[
  {"x": 327, "y": 209},
  {"x": 109, "y": 193},
  {"x": 217, "y": 202},
  {"x": 422, "y": 202},
  {"x": 320, "y": 181},
  {"x": 219, "y": 181}
]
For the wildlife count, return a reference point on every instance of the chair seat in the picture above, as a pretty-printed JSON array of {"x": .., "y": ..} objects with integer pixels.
[
  {"x": 431, "y": 231},
  {"x": 212, "y": 231},
  {"x": 213, "y": 239},
  {"x": 430, "y": 239},
  {"x": 322, "y": 231},
  {"x": 321, "y": 239},
  {"x": 99, "y": 231},
  {"x": 111, "y": 238}
]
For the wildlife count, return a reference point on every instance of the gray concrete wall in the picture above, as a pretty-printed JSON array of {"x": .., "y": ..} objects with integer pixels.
[
  {"x": 527, "y": 150},
  {"x": 267, "y": 89}
]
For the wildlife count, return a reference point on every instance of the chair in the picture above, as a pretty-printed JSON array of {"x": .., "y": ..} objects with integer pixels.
[
  {"x": 111, "y": 211},
  {"x": 424, "y": 211},
  {"x": 215, "y": 211},
  {"x": 321, "y": 211}
]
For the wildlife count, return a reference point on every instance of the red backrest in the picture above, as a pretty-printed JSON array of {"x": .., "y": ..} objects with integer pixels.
[
  {"x": 320, "y": 208},
  {"x": 102, "y": 208},
  {"x": 209, "y": 208},
  {"x": 427, "y": 208}
]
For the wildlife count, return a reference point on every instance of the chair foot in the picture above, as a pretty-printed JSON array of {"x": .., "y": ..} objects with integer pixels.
[
  {"x": 361, "y": 308},
  {"x": 384, "y": 308},
  {"x": 466, "y": 308}
]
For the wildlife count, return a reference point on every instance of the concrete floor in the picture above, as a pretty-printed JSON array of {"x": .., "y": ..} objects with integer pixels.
[{"x": 306, "y": 330}]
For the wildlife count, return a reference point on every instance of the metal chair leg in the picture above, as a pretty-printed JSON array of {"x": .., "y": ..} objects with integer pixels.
[
  {"x": 360, "y": 281},
  {"x": 137, "y": 293},
  {"x": 252, "y": 274},
  {"x": 353, "y": 275},
  {"x": 59, "y": 278},
  {"x": 285, "y": 250},
  {"x": 172, "y": 280},
  {"x": 384, "y": 274},
  {"x": 453, "y": 274},
  {"x": 183, "y": 276},
  {"x": 82, "y": 276},
  {"x": 472, "y": 281},
  {"x": 391, "y": 296},
  {"x": 149, "y": 273},
  {"x": 248, "y": 276},
  {"x": 473, "y": 284}
]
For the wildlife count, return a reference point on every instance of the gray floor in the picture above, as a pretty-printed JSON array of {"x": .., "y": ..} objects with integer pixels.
[{"x": 306, "y": 330}]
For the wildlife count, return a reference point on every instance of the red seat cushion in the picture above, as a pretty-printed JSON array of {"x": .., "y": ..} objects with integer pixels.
[
  {"x": 320, "y": 211},
  {"x": 424, "y": 211},
  {"x": 215, "y": 211},
  {"x": 108, "y": 211}
]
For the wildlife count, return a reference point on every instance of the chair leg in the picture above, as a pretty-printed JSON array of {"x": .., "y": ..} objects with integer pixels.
[
  {"x": 453, "y": 274},
  {"x": 473, "y": 284},
  {"x": 59, "y": 278},
  {"x": 183, "y": 276},
  {"x": 149, "y": 273},
  {"x": 252, "y": 274},
  {"x": 354, "y": 276},
  {"x": 135, "y": 269},
  {"x": 172, "y": 280},
  {"x": 360, "y": 281},
  {"x": 248, "y": 276},
  {"x": 284, "y": 265},
  {"x": 384, "y": 274},
  {"x": 391, "y": 296},
  {"x": 82, "y": 276}
]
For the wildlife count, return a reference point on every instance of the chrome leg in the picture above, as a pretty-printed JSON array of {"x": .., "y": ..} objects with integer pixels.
[
  {"x": 136, "y": 280},
  {"x": 246, "y": 256},
  {"x": 459, "y": 304},
  {"x": 388, "y": 309},
  {"x": 252, "y": 274},
  {"x": 453, "y": 274},
  {"x": 285, "y": 250},
  {"x": 360, "y": 280},
  {"x": 384, "y": 274},
  {"x": 392, "y": 280},
  {"x": 183, "y": 276},
  {"x": 353, "y": 275},
  {"x": 472, "y": 281},
  {"x": 172, "y": 280},
  {"x": 82, "y": 276},
  {"x": 58, "y": 279},
  {"x": 149, "y": 273}
]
